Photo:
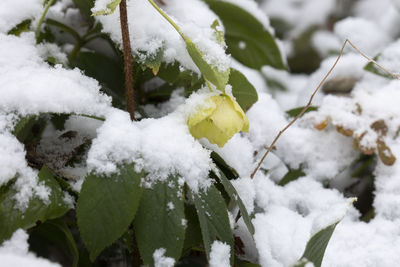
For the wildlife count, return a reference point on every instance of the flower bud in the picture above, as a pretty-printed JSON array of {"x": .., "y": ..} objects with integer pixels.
[{"x": 218, "y": 119}]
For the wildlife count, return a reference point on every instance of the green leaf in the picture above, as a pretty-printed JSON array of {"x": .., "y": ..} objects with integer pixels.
[
  {"x": 244, "y": 92},
  {"x": 229, "y": 172},
  {"x": 107, "y": 206},
  {"x": 234, "y": 196},
  {"x": 193, "y": 238},
  {"x": 152, "y": 61},
  {"x": 296, "y": 111},
  {"x": 292, "y": 175},
  {"x": 12, "y": 218},
  {"x": 85, "y": 6},
  {"x": 52, "y": 234},
  {"x": 20, "y": 28},
  {"x": 107, "y": 71},
  {"x": 371, "y": 67},
  {"x": 219, "y": 35},
  {"x": 210, "y": 73},
  {"x": 58, "y": 120},
  {"x": 316, "y": 246},
  {"x": 111, "y": 6},
  {"x": 160, "y": 221},
  {"x": 248, "y": 40},
  {"x": 23, "y": 127},
  {"x": 213, "y": 217}
]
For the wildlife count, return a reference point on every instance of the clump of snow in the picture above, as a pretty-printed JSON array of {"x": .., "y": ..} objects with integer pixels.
[
  {"x": 364, "y": 244},
  {"x": 13, "y": 12},
  {"x": 48, "y": 89},
  {"x": 149, "y": 31},
  {"x": 220, "y": 254},
  {"x": 390, "y": 57},
  {"x": 325, "y": 42},
  {"x": 162, "y": 261},
  {"x": 300, "y": 14},
  {"x": 14, "y": 253},
  {"x": 161, "y": 146},
  {"x": 292, "y": 214},
  {"x": 365, "y": 34},
  {"x": 373, "y": 9},
  {"x": 101, "y": 5}
]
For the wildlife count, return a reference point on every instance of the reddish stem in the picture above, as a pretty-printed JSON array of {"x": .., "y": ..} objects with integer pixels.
[{"x": 128, "y": 62}]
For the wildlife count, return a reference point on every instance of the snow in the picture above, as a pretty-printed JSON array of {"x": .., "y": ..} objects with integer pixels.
[
  {"x": 300, "y": 14},
  {"x": 162, "y": 261},
  {"x": 253, "y": 8},
  {"x": 149, "y": 32},
  {"x": 161, "y": 146},
  {"x": 365, "y": 34},
  {"x": 11, "y": 13},
  {"x": 220, "y": 254},
  {"x": 48, "y": 89},
  {"x": 14, "y": 253}
]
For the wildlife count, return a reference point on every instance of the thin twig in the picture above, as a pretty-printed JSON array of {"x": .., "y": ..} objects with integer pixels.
[
  {"x": 313, "y": 94},
  {"x": 128, "y": 61}
]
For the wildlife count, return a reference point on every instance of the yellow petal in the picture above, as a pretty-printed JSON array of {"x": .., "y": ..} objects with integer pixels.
[{"x": 221, "y": 118}]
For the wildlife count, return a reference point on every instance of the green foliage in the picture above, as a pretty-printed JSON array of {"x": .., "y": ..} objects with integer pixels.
[
  {"x": 243, "y": 29},
  {"x": 296, "y": 111},
  {"x": 85, "y": 6},
  {"x": 237, "y": 200},
  {"x": 106, "y": 70},
  {"x": 13, "y": 217},
  {"x": 371, "y": 67},
  {"x": 210, "y": 73},
  {"x": 213, "y": 218},
  {"x": 244, "y": 92},
  {"x": 316, "y": 246},
  {"x": 52, "y": 234},
  {"x": 107, "y": 206},
  {"x": 292, "y": 175},
  {"x": 160, "y": 221},
  {"x": 111, "y": 6},
  {"x": 20, "y": 28}
]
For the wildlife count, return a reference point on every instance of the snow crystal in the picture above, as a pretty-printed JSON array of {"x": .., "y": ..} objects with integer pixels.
[
  {"x": 220, "y": 254},
  {"x": 162, "y": 261}
]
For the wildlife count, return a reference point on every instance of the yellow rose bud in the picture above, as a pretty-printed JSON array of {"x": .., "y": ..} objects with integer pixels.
[{"x": 218, "y": 120}]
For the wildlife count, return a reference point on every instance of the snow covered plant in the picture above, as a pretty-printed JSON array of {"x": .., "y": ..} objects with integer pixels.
[{"x": 134, "y": 133}]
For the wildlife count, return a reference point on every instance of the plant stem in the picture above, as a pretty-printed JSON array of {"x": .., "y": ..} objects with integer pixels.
[
  {"x": 39, "y": 25},
  {"x": 168, "y": 19},
  {"x": 126, "y": 43}
]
